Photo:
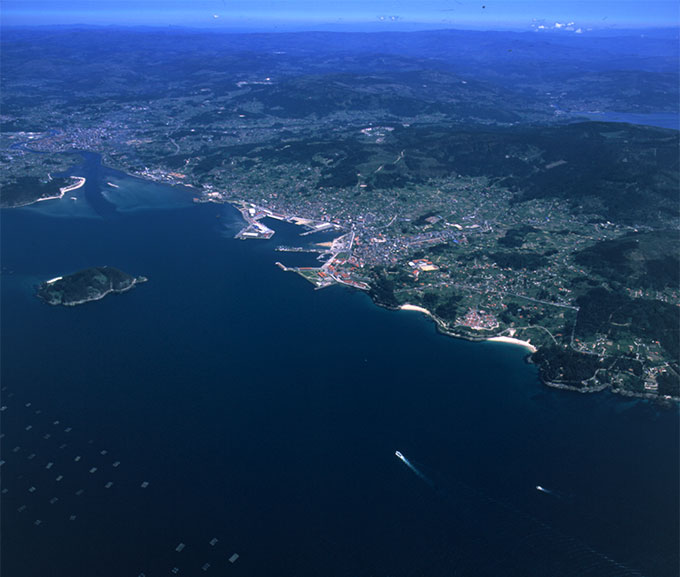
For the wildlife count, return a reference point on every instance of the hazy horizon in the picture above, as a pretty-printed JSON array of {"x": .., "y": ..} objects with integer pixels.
[{"x": 370, "y": 15}]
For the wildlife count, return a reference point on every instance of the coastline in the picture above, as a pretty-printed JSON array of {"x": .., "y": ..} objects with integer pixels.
[
  {"x": 442, "y": 327},
  {"x": 497, "y": 339},
  {"x": 531, "y": 349}
]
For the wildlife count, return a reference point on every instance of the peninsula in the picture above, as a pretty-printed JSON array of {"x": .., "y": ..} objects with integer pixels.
[{"x": 87, "y": 285}]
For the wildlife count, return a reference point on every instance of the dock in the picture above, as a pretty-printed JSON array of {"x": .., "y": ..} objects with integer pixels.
[{"x": 254, "y": 229}]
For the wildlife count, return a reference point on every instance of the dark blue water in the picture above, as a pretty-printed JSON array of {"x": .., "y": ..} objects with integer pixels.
[{"x": 266, "y": 415}]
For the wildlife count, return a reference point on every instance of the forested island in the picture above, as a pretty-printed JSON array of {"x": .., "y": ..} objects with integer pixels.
[{"x": 87, "y": 285}]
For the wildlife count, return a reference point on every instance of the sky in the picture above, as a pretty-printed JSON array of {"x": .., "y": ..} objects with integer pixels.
[{"x": 570, "y": 15}]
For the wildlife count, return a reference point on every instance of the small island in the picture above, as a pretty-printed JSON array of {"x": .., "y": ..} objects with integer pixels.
[{"x": 87, "y": 285}]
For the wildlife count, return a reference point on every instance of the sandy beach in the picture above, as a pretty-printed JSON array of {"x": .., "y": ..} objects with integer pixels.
[
  {"x": 513, "y": 341},
  {"x": 408, "y": 307}
]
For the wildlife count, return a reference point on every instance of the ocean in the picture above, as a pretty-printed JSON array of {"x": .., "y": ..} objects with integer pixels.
[{"x": 226, "y": 408}]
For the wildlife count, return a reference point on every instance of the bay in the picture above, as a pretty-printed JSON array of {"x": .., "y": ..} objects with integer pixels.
[{"x": 266, "y": 415}]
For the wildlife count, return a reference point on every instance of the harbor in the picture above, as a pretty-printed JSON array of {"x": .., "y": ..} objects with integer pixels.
[
  {"x": 255, "y": 229},
  {"x": 339, "y": 266}
]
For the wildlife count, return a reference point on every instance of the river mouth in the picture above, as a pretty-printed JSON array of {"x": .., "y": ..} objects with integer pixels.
[{"x": 108, "y": 192}]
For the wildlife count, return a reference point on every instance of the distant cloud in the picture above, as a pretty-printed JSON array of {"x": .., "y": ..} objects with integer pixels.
[{"x": 564, "y": 26}]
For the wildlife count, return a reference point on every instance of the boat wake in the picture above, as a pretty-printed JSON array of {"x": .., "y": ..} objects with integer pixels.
[
  {"x": 521, "y": 532},
  {"x": 413, "y": 468}
]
